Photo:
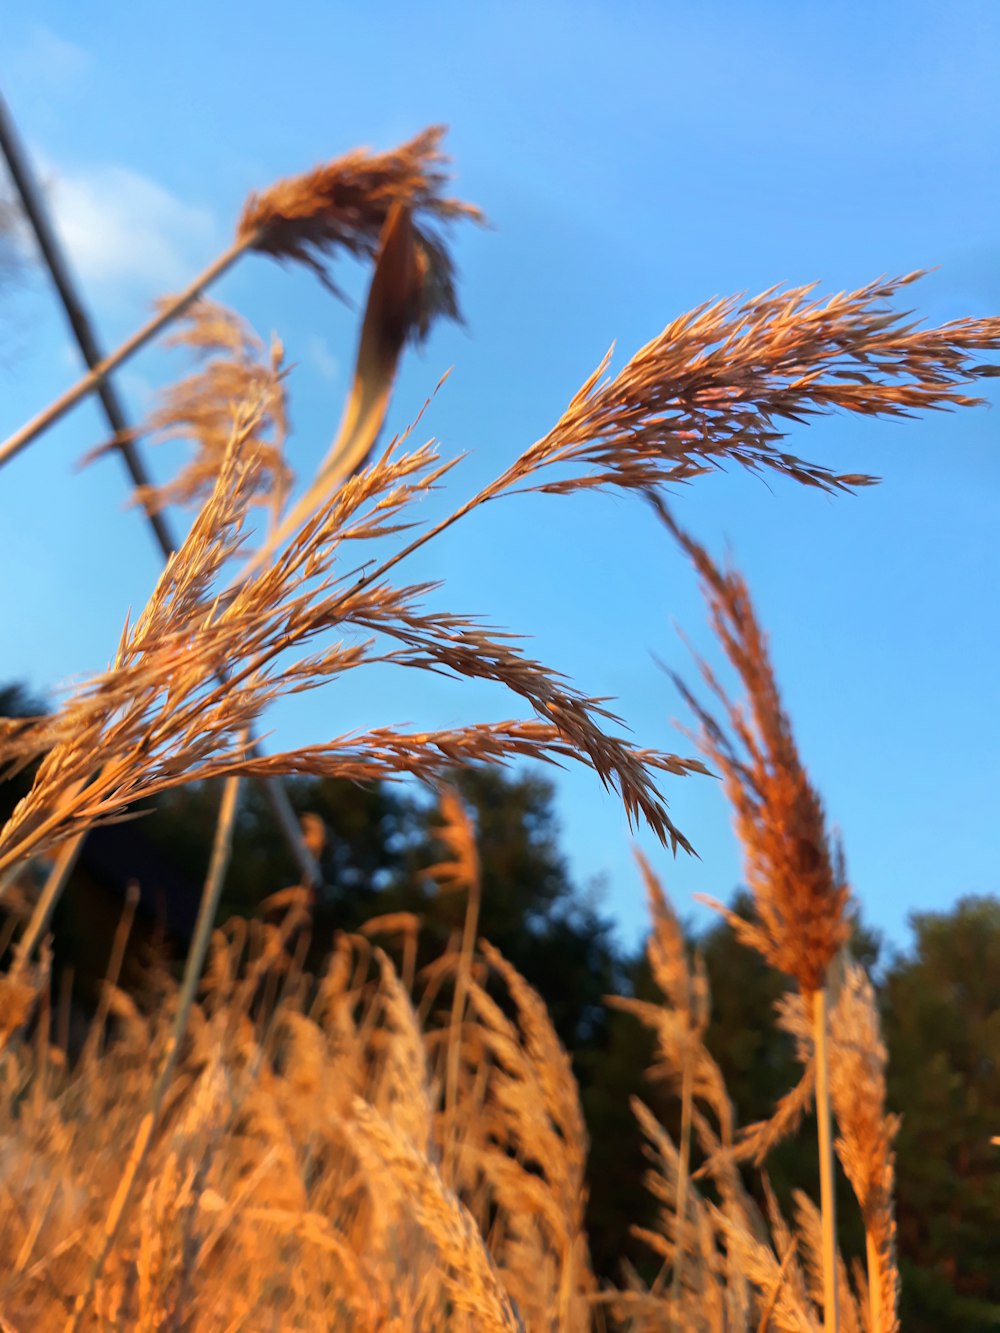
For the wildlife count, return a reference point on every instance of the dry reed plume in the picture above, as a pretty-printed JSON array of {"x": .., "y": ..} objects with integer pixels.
[
  {"x": 730, "y": 1265},
  {"x": 622, "y": 433},
  {"x": 346, "y": 204},
  {"x": 354, "y": 1154},
  {"x": 866, "y": 1135},
  {"x": 801, "y": 896},
  {"x": 717, "y": 383},
  {"x": 343, "y": 205},
  {"x": 159, "y": 716},
  {"x": 199, "y": 408},
  {"x": 788, "y": 861}
]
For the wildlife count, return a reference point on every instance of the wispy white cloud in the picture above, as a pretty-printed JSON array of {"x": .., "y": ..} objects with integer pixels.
[
  {"x": 319, "y": 356},
  {"x": 125, "y": 233},
  {"x": 44, "y": 58}
]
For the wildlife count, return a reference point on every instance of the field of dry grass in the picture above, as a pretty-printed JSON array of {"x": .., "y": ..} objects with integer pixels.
[
  {"x": 255, "y": 1148},
  {"x": 346, "y": 1154}
]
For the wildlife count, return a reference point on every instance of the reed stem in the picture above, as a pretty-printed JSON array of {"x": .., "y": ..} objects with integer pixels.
[
  {"x": 831, "y": 1308},
  {"x": 89, "y": 382},
  {"x": 458, "y": 1007},
  {"x": 221, "y": 849},
  {"x": 62, "y": 868},
  {"x": 874, "y": 1283},
  {"x": 683, "y": 1171}
]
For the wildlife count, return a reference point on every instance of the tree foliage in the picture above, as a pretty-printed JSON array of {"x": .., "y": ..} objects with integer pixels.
[{"x": 941, "y": 1012}]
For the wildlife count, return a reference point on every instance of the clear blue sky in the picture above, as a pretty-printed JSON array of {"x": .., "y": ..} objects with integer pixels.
[{"x": 635, "y": 159}]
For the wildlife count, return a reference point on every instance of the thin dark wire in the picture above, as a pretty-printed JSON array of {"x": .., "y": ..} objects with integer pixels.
[{"x": 83, "y": 331}]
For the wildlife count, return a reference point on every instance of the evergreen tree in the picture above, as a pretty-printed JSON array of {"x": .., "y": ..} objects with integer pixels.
[{"x": 941, "y": 1012}]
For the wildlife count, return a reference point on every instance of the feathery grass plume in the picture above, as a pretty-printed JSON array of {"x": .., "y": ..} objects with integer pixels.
[
  {"x": 305, "y": 219},
  {"x": 12, "y": 729},
  {"x": 706, "y": 1291},
  {"x": 712, "y": 385},
  {"x": 800, "y": 897},
  {"x": 866, "y": 1135},
  {"x": 405, "y": 926},
  {"x": 345, "y": 204},
  {"x": 686, "y": 1241},
  {"x": 809, "y": 1229},
  {"x": 679, "y": 1023},
  {"x": 527, "y": 1141},
  {"x": 391, "y": 312},
  {"x": 774, "y": 1271},
  {"x": 785, "y": 1242},
  {"x": 159, "y": 716},
  {"x": 680, "y": 1026},
  {"x": 235, "y": 368},
  {"x": 779, "y": 816},
  {"x": 395, "y": 1167},
  {"x": 718, "y": 382},
  {"x": 403, "y": 1096}
]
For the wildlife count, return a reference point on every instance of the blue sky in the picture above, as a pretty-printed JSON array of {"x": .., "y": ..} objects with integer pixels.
[{"x": 634, "y": 159}]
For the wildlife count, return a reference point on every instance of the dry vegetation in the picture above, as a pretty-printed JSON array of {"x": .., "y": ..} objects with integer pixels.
[{"x": 371, "y": 1149}]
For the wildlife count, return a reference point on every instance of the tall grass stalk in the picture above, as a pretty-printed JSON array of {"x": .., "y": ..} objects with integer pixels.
[
  {"x": 798, "y": 886},
  {"x": 88, "y": 383},
  {"x": 828, "y": 1198},
  {"x": 874, "y": 1290},
  {"x": 465, "y": 874},
  {"x": 62, "y": 867},
  {"x": 683, "y": 1172},
  {"x": 211, "y": 893}
]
